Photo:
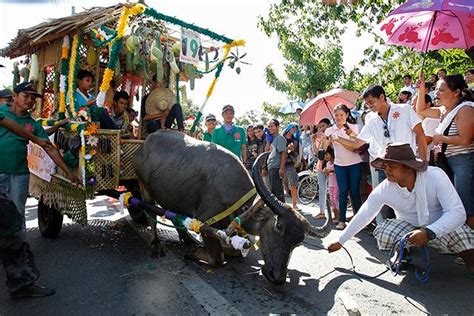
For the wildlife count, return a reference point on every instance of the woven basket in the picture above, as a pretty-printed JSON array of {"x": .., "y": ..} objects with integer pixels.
[
  {"x": 128, "y": 148},
  {"x": 106, "y": 160}
]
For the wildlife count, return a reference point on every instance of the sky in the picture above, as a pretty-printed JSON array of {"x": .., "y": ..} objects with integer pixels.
[{"x": 236, "y": 19}]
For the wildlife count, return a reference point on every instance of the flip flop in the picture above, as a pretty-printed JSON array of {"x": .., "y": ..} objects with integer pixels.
[{"x": 320, "y": 216}]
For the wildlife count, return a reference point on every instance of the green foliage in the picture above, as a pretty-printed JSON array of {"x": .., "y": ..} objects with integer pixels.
[
  {"x": 189, "y": 109},
  {"x": 252, "y": 117},
  {"x": 309, "y": 33}
]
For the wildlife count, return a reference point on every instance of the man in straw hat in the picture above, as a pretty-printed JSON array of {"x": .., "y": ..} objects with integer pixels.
[
  {"x": 426, "y": 206},
  {"x": 159, "y": 108}
]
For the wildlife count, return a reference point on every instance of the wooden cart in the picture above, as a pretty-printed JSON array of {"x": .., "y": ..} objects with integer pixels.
[{"x": 88, "y": 40}]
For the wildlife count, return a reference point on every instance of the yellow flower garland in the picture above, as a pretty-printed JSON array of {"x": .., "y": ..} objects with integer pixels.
[
  {"x": 122, "y": 24},
  {"x": 62, "y": 102},
  {"x": 71, "y": 77}
]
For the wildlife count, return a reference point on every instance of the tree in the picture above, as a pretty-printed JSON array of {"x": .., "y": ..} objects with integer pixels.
[
  {"x": 309, "y": 33},
  {"x": 252, "y": 117}
]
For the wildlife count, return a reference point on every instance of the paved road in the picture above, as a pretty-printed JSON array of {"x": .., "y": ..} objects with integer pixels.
[{"x": 105, "y": 269}]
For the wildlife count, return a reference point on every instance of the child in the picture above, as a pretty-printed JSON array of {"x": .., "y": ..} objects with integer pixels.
[{"x": 333, "y": 190}]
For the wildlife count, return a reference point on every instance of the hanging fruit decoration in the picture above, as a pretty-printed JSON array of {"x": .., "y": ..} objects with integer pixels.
[
  {"x": 34, "y": 68},
  {"x": 92, "y": 57}
]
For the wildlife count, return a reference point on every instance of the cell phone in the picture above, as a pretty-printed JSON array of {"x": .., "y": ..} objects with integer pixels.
[{"x": 346, "y": 126}]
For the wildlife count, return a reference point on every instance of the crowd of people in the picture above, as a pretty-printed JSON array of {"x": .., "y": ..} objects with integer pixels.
[{"x": 385, "y": 148}]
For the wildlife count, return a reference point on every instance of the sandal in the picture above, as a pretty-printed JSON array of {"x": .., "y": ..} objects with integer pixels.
[
  {"x": 341, "y": 226},
  {"x": 320, "y": 216}
]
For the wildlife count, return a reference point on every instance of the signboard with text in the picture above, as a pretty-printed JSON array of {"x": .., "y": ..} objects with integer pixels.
[{"x": 190, "y": 46}]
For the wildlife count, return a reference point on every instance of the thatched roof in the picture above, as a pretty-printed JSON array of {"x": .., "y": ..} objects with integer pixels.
[{"x": 34, "y": 38}]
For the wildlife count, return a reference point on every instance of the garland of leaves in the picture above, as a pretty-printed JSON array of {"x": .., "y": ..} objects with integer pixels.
[
  {"x": 72, "y": 78},
  {"x": 159, "y": 16}
]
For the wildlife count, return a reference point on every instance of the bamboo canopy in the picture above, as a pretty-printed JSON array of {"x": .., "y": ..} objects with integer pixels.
[{"x": 34, "y": 38}]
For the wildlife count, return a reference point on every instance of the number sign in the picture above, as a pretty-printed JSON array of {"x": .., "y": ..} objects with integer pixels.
[{"x": 190, "y": 44}]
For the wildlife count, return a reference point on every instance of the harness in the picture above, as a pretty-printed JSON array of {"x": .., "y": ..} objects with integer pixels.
[{"x": 231, "y": 209}]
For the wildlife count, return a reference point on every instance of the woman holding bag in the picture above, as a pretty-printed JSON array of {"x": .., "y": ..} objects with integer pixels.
[
  {"x": 455, "y": 135},
  {"x": 347, "y": 164}
]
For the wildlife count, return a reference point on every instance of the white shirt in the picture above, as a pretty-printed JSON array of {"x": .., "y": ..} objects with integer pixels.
[
  {"x": 446, "y": 211},
  {"x": 343, "y": 157},
  {"x": 400, "y": 121}
]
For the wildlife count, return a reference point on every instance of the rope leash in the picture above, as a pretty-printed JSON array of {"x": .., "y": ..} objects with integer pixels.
[{"x": 396, "y": 265}]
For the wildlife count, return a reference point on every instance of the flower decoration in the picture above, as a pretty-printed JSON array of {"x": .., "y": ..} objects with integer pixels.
[
  {"x": 396, "y": 115},
  {"x": 91, "y": 128},
  {"x": 83, "y": 113},
  {"x": 92, "y": 141}
]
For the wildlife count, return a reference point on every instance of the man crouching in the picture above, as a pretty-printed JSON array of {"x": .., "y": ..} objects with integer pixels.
[{"x": 426, "y": 205}]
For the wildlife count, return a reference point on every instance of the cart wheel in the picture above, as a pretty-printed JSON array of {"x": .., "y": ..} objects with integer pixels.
[{"x": 50, "y": 221}]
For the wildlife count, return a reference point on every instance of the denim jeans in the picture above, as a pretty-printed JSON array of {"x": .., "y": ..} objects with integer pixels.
[
  {"x": 463, "y": 179},
  {"x": 322, "y": 183},
  {"x": 15, "y": 187},
  {"x": 348, "y": 179}
]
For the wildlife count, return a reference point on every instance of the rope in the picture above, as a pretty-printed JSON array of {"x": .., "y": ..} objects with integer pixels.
[{"x": 394, "y": 266}]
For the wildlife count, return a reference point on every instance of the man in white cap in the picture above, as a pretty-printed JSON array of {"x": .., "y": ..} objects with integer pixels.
[
  {"x": 426, "y": 205},
  {"x": 231, "y": 136}
]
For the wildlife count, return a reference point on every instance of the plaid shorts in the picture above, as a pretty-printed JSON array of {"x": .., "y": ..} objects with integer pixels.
[{"x": 391, "y": 230}]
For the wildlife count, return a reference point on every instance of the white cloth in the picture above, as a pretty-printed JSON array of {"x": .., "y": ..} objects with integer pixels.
[
  {"x": 429, "y": 127},
  {"x": 445, "y": 210},
  {"x": 401, "y": 121},
  {"x": 450, "y": 117},
  {"x": 343, "y": 157}
]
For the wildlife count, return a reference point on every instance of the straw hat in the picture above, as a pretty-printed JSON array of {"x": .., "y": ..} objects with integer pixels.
[
  {"x": 160, "y": 99},
  {"x": 401, "y": 153}
]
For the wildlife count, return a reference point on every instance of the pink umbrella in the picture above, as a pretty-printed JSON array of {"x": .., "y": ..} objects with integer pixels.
[
  {"x": 323, "y": 105},
  {"x": 427, "y": 25}
]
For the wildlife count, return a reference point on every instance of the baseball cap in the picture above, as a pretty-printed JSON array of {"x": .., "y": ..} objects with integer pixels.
[
  {"x": 210, "y": 117},
  {"x": 5, "y": 93},
  {"x": 27, "y": 87},
  {"x": 228, "y": 107}
]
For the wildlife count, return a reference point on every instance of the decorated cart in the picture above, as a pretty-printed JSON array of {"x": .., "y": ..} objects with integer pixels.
[{"x": 124, "y": 46}]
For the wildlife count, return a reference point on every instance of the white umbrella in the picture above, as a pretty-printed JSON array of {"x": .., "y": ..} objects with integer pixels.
[{"x": 291, "y": 107}]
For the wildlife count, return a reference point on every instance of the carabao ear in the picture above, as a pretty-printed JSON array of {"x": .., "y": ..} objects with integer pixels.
[{"x": 259, "y": 219}]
